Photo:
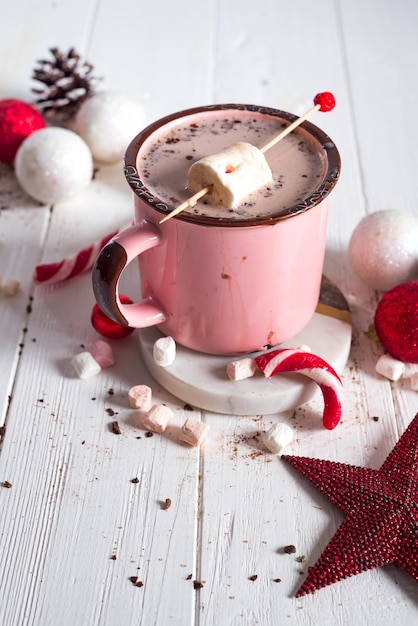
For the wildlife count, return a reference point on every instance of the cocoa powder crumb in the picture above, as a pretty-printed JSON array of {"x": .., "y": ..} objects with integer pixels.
[
  {"x": 289, "y": 549},
  {"x": 197, "y": 584},
  {"x": 116, "y": 428}
]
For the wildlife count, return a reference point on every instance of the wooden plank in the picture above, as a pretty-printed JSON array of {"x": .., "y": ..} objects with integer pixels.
[
  {"x": 72, "y": 499},
  {"x": 23, "y": 224}
]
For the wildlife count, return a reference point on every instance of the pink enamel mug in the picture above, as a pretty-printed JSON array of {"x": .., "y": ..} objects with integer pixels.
[{"x": 217, "y": 280}]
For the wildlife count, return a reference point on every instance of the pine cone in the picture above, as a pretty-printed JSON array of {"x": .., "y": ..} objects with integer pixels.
[{"x": 67, "y": 83}]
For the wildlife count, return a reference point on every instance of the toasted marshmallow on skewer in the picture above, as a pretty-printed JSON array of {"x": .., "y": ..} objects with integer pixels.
[{"x": 231, "y": 175}]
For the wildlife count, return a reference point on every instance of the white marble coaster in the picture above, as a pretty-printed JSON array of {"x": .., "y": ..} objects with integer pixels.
[{"x": 201, "y": 380}]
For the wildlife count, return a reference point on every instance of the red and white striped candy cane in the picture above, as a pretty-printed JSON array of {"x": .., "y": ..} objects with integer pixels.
[
  {"x": 53, "y": 273},
  {"x": 311, "y": 365}
]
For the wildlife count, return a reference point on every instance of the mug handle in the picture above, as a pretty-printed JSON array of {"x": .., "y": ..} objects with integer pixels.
[{"x": 108, "y": 267}]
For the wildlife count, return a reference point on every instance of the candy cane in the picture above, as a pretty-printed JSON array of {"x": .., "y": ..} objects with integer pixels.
[
  {"x": 311, "y": 365},
  {"x": 53, "y": 273}
]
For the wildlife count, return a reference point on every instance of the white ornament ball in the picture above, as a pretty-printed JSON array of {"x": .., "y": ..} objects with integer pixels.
[
  {"x": 53, "y": 165},
  {"x": 108, "y": 122},
  {"x": 383, "y": 249}
]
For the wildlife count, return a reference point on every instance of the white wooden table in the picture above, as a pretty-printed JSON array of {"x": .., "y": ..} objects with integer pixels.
[{"x": 74, "y": 527}]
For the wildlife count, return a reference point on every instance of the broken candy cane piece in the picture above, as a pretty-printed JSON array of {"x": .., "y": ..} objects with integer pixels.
[
  {"x": 311, "y": 365},
  {"x": 277, "y": 438},
  {"x": 231, "y": 175}
]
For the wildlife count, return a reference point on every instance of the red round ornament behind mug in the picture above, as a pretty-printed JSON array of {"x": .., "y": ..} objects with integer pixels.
[
  {"x": 18, "y": 120},
  {"x": 396, "y": 322},
  {"x": 223, "y": 280}
]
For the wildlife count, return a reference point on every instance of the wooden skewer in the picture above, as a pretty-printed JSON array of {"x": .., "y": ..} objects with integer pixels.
[
  {"x": 189, "y": 202},
  {"x": 193, "y": 199},
  {"x": 289, "y": 129}
]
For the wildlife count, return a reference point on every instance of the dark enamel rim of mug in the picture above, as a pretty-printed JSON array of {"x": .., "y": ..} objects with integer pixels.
[{"x": 322, "y": 191}]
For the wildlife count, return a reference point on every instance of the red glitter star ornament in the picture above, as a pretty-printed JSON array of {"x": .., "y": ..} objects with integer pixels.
[{"x": 381, "y": 508}]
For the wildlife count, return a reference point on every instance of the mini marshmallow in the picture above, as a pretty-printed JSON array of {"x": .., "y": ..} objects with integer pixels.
[
  {"x": 277, "y": 438},
  {"x": 231, "y": 175},
  {"x": 390, "y": 367},
  {"x": 103, "y": 353},
  {"x": 410, "y": 370},
  {"x": 414, "y": 381},
  {"x": 164, "y": 351},
  {"x": 193, "y": 432},
  {"x": 10, "y": 286},
  {"x": 85, "y": 365},
  {"x": 241, "y": 369},
  {"x": 140, "y": 397},
  {"x": 157, "y": 418}
]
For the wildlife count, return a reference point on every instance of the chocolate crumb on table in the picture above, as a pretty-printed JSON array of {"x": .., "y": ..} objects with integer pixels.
[
  {"x": 166, "y": 504},
  {"x": 7, "y": 484},
  {"x": 253, "y": 577},
  {"x": 289, "y": 549},
  {"x": 116, "y": 428},
  {"x": 197, "y": 584},
  {"x": 135, "y": 480}
]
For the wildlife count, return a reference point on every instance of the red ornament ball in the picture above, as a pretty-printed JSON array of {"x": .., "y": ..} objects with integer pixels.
[
  {"x": 396, "y": 322},
  {"x": 18, "y": 120},
  {"x": 107, "y": 327},
  {"x": 325, "y": 100}
]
